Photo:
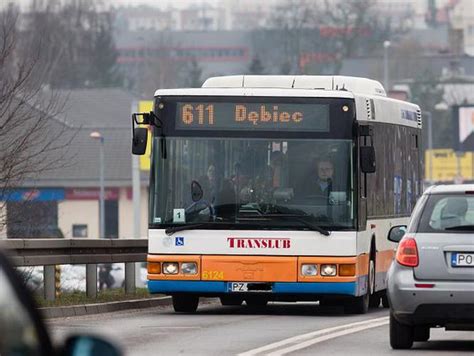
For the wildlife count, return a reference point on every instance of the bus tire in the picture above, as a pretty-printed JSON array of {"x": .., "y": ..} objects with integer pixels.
[
  {"x": 185, "y": 303},
  {"x": 231, "y": 300},
  {"x": 360, "y": 305},
  {"x": 385, "y": 303},
  {"x": 401, "y": 336},
  {"x": 256, "y": 302},
  {"x": 357, "y": 305},
  {"x": 374, "y": 300}
]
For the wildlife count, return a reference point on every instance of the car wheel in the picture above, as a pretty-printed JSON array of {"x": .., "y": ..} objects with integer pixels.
[
  {"x": 422, "y": 333},
  {"x": 185, "y": 303},
  {"x": 231, "y": 300},
  {"x": 256, "y": 302},
  {"x": 401, "y": 335}
]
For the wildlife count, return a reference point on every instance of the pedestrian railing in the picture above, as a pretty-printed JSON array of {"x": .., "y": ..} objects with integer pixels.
[{"x": 52, "y": 252}]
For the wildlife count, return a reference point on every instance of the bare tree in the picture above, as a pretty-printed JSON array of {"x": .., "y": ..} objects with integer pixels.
[
  {"x": 314, "y": 36},
  {"x": 356, "y": 27},
  {"x": 293, "y": 20},
  {"x": 77, "y": 42},
  {"x": 193, "y": 74},
  {"x": 32, "y": 136},
  {"x": 161, "y": 67}
]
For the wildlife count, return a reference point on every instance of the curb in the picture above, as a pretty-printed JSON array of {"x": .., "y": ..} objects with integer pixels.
[{"x": 99, "y": 308}]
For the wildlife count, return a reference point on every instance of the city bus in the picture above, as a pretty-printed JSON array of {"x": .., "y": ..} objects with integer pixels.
[{"x": 278, "y": 188}]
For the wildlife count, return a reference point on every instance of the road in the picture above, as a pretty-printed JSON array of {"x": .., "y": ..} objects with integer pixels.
[{"x": 280, "y": 329}]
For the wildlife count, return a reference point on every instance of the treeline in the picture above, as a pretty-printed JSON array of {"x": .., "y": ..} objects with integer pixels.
[{"x": 72, "y": 40}]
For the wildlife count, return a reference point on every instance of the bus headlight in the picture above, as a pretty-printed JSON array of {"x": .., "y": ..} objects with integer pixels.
[
  {"x": 309, "y": 270},
  {"x": 189, "y": 268},
  {"x": 170, "y": 268},
  {"x": 328, "y": 270}
]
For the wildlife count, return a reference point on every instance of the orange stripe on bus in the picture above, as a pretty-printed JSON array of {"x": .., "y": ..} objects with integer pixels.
[
  {"x": 249, "y": 268},
  {"x": 258, "y": 268}
]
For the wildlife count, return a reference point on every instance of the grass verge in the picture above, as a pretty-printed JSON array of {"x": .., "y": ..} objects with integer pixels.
[{"x": 104, "y": 296}]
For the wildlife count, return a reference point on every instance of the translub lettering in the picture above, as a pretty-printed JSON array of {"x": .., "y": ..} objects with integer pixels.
[{"x": 267, "y": 243}]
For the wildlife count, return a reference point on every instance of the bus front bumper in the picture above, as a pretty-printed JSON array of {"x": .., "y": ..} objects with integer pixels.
[{"x": 216, "y": 288}]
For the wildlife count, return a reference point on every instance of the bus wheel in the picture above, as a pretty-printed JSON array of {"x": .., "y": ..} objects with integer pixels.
[
  {"x": 231, "y": 300},
  {"x": 374, "y": 300},
  {"x": 255, "y": 302},
  {"x": 360, "y": 305},
  {"x": 357, "y": 305},
  {"x": 185, "y": 303},
  {"x": 385, "y": 300}
]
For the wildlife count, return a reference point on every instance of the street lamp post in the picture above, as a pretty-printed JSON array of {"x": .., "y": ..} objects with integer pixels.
[
  {"x": 386, "y": 83},
  {"x": 98, "y": 136}
]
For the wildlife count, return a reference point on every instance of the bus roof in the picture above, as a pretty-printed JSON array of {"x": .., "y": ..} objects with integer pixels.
[
  {"x": 321, "y": 82},
  {"x": 263, "y": 92}
]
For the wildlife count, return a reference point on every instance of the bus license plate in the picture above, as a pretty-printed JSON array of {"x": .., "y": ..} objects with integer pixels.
[
  {"x": 462, "y": 259},
  {"x": 238, "y": 287}
]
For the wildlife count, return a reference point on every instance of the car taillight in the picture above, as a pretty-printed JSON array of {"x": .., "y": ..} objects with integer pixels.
[{"x": 407, "y": 252}]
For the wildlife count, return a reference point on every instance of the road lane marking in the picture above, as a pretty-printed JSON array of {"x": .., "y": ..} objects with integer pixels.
[
  {"x": 171, "y": 327},
  {"x": 310, "y": 337},
  {"x": 317, "y": 340}
]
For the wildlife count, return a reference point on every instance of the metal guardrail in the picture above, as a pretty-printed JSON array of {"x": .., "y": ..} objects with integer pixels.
[{"x": 52, "y": 252}]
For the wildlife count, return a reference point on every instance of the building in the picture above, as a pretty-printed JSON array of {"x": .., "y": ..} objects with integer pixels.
[
  {"x": 65, "y": 201},
  {"x": 462, "y": 22}
]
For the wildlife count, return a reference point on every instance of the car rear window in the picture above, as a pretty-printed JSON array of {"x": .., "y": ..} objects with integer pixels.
[{"x": 443, "y": 212}]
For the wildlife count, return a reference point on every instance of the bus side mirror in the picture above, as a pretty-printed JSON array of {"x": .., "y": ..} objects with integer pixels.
[
  {"x": 139, "y": 141},
  {"x": 367, "y": 159}
]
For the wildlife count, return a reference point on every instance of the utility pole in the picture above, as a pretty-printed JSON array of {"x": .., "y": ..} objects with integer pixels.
[{"x": 98, "y": 136}]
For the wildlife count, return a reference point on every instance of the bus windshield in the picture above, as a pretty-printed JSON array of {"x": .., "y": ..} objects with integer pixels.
[{"x": 251, "y": 183}]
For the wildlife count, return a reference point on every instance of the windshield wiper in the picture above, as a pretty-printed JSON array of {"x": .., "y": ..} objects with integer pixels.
[
  {"x": 461, "y": 228},
  {"x": 171, "y": 230},
  {"x": 302, "y": 219},
  {"x": 296, "y": 217}
]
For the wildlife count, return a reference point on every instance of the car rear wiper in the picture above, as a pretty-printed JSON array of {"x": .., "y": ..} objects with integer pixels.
[{"x": 461, "y": 228}]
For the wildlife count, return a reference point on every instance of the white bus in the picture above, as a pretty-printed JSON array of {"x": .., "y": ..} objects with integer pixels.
[{"x": 278, "y": 188}]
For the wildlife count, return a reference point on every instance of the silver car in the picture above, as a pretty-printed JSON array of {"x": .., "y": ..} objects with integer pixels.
[{"x": 431, "y": 281}]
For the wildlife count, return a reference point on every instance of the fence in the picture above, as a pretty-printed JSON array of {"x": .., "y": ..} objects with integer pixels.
[{"x": 51, "y": 252}]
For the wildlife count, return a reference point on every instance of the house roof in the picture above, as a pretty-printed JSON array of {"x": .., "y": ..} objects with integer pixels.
[{"x": 87, "y": 110}]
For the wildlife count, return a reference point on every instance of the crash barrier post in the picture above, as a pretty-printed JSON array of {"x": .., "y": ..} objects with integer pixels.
[{"x": 57, "y": 281}]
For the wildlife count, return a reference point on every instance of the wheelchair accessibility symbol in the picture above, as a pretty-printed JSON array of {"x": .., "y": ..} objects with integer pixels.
[{"x": 179, "y": 241}]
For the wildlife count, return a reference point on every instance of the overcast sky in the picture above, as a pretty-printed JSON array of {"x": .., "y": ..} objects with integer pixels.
[{"x": 165, "y": 3}]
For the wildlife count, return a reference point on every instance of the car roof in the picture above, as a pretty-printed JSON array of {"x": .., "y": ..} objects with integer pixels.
[{"x": 451, "y": 188}]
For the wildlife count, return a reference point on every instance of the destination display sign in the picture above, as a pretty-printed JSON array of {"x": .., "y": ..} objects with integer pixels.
[{"x": 252, "y": 116}]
